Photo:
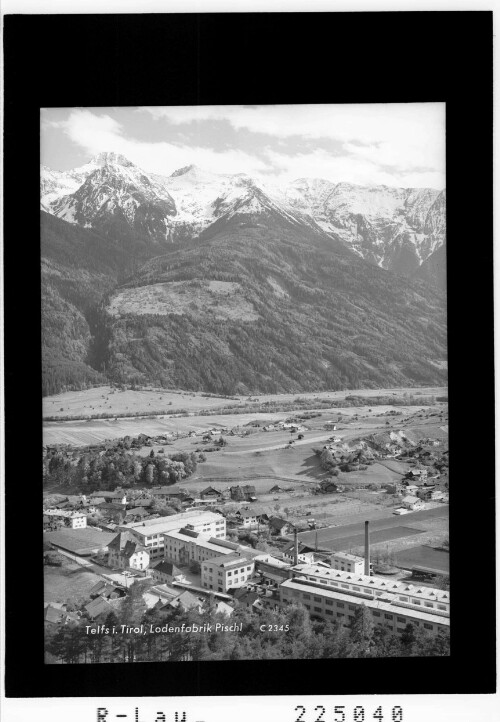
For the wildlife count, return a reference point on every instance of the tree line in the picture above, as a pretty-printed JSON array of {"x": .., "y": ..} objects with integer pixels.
[
  {"x": 93, "y": 469},
  {"x": 290, "y": 634}
]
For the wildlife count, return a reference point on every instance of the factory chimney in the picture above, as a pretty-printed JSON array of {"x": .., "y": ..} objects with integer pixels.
[
  {"x": 295, "y": 547},
  {"x": 367, "y": 548}
]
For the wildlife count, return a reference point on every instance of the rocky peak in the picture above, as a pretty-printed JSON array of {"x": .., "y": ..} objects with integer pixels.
[{"x": 111, "y": 158}]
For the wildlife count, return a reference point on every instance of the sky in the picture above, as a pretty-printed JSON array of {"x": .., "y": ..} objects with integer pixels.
[{"x": 390, "y": 144}]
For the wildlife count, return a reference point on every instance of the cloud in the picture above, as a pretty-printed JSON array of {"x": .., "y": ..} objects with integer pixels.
[
  {"x": 88, "y": 130},
  {"x": 393, "y": 142},
  {"x": 398, "y": 145},
  {"x": 366, "y": 123},
  {"x": 352, "y": 169},
  {"x": 96, "y": 133}
]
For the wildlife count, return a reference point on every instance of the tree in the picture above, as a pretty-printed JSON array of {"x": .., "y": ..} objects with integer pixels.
[{"x": 361, "y": 627}]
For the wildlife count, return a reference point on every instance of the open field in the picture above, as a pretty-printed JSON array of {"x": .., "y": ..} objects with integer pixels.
[
  {"x": 343, "y": 531},
  {"x": 96, "y": 431},
  {"x": 211, "y": 299},
  {"x": 104, "y": 399},
  {"x": 68, "y": 581},
  {"x": 424, "y": 556},
  {"x": 382, "y": 535}
]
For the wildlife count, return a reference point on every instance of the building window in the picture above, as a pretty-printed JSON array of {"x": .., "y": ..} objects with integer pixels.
[
  {"x": 401, "y": 620},
  {"x": 307, "y": 606},
  {"x": 340, "y": 605},
  {"x": 376, "y": 614},
  {"x": 352, "y": 607},
  {"x": 441, "y": 606},
  {"x": 388, "y": 616},
  {"x": 307, "y": 596},
  {"x": 429, "y": 604},
  {"x": 317, "y": 599},
  {"x": 339, "y": 614},
  {"x": 329, "y": 602},
  {"x": 428, "y": 626},
  {"x": 317, "y": 609}
]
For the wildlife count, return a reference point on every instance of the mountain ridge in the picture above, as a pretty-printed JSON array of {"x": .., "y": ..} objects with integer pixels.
[
  {"x": 397, "y": 229},
  {"x": 216, "y": 283}
]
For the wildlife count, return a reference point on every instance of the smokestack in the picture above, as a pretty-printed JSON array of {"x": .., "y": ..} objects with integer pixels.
[
  {"x": 295, "y": 547},
  {"x": 367, "y": 548}
]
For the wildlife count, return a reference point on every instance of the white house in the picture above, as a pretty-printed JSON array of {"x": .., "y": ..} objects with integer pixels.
[{"x": 412, "y": 502}]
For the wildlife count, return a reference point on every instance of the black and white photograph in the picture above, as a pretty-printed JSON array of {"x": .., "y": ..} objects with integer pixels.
[
  {"x": 244, "y": 378},
  {"x": 252, "y": 362}
]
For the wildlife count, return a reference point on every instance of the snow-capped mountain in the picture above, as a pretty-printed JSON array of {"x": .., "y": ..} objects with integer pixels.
[
  {"x": 112, "y": 186},
  {"x": 395, "y": 228}
]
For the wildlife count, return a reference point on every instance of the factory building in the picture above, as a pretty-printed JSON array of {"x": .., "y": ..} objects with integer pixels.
[
  {"x": 151, "y": 533},
  {"x": 330, "y": 603}
]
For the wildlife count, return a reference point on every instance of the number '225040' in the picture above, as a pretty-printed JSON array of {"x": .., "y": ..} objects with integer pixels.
[{"x": 342, "y": 713}]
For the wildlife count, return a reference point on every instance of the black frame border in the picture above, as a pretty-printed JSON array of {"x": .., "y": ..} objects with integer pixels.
[{"x": 189, "y": 59}]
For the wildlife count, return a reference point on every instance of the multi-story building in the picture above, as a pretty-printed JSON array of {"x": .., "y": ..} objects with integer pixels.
[
  {"x": 185, "y": 545},
  {"x": 345, "y": 562},
  {"x": 72, "y": 519},
  {"x": 126, "y": 552},
  {"x": 150, "y": 533},
  {"x": 227, "y": 572},
  {"x": 330, "y": 594}
]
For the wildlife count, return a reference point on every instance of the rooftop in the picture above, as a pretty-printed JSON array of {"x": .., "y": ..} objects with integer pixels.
[
  {"x": 382, "y": 605},
  {"x": 230, "y": 561},
  {"x": 79, "y": 541},
  {"x": 166, "y": 567},
  {"x": 372, "y": 582},
  {"x": 200, "y": 540},
  {"x": 64, "y": 512},
  {"x": 224, "y": 543},
  {"x": 347, "y": 557},
  {"x": 175, "y": 521}
]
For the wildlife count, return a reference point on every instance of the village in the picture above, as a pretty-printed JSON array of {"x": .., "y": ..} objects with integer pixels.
[{"x": 331, "y": 542}]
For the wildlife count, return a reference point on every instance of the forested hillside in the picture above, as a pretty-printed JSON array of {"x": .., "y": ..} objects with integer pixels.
[{"x": 258, "y": 303}]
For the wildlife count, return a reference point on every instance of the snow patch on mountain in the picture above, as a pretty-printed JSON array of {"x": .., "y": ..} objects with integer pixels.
[{"x": 395, "y": 228}]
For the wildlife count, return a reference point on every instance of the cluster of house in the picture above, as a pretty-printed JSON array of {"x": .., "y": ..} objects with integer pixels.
[
  {"x": 285, "y": 426},
  {"x": 414, "y": 495},
  {"x": 109, "y": 509}
]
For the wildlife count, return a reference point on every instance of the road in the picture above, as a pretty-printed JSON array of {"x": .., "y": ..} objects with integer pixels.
[
  {"x": 283, "y": 444},
  {"x": 349, "y": 530}
]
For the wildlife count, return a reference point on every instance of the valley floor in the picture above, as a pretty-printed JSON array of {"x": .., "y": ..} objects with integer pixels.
[{"x": 265, "y": 459}]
